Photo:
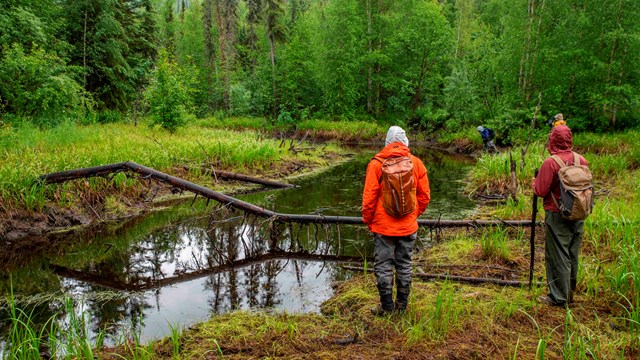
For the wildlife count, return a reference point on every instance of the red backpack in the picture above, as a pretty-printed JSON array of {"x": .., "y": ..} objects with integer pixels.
[{"x": 398, "y": 186}]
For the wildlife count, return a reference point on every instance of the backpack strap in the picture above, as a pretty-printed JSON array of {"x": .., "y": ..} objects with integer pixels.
[
  {"x": 559, "y": 161},
  {"x": 553, "y": 197},
  {"x": 576, "y": 159},
  {"x": 562, "y": 164},
  {"x": 381, "y": 162}
]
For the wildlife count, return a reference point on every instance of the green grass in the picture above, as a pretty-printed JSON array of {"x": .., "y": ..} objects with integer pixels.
[
  {"x": 444, "y": 315},
  {"x": 28, "y": 152},
  {"x": 469, "y": 134},
  {"x": 609, "y": 273},
  {"x": 494, "y": 244},
  {"x": 341, "y": 130}
]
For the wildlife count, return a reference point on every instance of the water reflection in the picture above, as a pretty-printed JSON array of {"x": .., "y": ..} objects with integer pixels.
[{"x": 179, "y": 266}]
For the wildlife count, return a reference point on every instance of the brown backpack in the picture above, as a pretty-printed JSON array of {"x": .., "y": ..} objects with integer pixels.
[
  {"x": 576, "y": 189},
  {"x": 398, "y": 186}
]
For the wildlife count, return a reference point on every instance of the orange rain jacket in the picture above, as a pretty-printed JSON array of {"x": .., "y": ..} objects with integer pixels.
[{"x": 374, "y": 214}]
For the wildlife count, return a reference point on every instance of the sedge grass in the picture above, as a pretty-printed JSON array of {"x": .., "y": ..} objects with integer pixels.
[
  {"x": 361, "y": 130},
  {"x": 494, "y": 245},
  {"x": 28, "y": 151},
  {"x": 175, "y": 340}
]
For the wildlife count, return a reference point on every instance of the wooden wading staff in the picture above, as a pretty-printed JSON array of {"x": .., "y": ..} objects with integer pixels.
[{"x": 534, "y": 212}]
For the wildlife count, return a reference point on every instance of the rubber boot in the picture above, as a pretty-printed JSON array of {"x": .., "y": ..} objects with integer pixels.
[
  {"x": 386, "y": 305},
  {"x": 402, "y": 299}
]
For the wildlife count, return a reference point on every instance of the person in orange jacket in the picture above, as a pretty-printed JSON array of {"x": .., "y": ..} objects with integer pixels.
[{"x": 394, "y": 238}]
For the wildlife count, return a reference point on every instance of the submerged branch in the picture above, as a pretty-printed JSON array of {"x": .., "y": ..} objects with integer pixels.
[
  {"x": 246, "y": 178},
  {"x": 146, "y": 283}
]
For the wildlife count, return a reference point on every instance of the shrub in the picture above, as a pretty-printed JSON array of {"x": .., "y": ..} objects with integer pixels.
[
  {"x": 170, "y": 93},
  {"x": 39, "y": 85}
]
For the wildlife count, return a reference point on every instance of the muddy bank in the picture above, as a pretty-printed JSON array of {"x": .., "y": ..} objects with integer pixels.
[{"x": 21, "y": 229}]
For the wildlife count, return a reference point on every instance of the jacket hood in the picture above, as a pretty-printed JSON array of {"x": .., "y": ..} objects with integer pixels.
[
  {"x": 394, "y": 149},
  {"x": 560, "y": 139},
  {"x": 396, "y": 133}
]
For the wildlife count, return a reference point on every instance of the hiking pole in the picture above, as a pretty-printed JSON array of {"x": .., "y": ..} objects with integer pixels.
[{"x": 533, "y": 233}]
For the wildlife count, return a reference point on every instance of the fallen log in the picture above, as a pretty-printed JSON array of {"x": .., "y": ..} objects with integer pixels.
[
  {"x": 473, "y": 266},
  {"x": 466, "y": 279},
  {"x": 182, "y": 184},
  {"x": 246, "y": 178}
]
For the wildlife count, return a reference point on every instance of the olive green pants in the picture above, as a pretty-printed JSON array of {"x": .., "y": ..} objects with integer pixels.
[{"x": 562, "y": 248}]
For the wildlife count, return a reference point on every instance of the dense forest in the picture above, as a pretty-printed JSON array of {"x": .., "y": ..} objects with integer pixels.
[{"x": 425, "y": 63}]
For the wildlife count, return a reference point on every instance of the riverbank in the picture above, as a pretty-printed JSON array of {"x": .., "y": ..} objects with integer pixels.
[
  {"x": 29, "y": 208},
  {"x": 451, "y": 320},
  {"x": 455, "y": 320}
]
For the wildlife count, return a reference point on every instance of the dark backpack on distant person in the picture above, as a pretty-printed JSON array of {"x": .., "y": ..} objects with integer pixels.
[
  {"x": 491, "y": 135},
  {"x": 576, "y": 189},
  {"x": 398, "y": 186}
]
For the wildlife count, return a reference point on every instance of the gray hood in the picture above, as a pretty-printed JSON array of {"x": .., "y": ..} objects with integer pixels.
[{"x": 396, "y": 134}]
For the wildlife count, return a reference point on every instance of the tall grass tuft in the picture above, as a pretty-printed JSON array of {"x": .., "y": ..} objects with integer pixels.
[
  {"x": 444, "y": 317},
  {"x": 175, "y": 341},
  {"x": 494, "y": 245},
  {"x": 26, "y": 340}
]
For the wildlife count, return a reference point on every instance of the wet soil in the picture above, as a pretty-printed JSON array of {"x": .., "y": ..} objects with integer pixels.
[{"x": 22, "y": 231}]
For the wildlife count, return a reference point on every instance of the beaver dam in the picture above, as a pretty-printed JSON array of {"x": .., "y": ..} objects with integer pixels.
[{"x": 180, "y": 265}]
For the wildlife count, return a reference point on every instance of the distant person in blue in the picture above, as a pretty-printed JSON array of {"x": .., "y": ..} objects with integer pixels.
[{"x": 487, "y": 138}]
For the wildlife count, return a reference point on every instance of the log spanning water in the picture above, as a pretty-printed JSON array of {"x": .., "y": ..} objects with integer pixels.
[{"x": 146, "y": 172}]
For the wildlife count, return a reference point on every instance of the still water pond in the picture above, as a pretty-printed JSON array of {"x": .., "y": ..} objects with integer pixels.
[{"x": 181, "y": 265}]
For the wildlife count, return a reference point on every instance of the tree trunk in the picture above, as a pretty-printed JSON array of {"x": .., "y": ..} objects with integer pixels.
[
  {"x": 84, "y": 46},
  {"x": 524, "y": 58},
  {"x": 209, "y": 50},
  {"x": 272, "y": 56},
  {"x": 370, "y": 49},
  {"x": 535, "y": 52},
  {"x": 416, "y": 96},
  {"x": 223, "y": 58}
]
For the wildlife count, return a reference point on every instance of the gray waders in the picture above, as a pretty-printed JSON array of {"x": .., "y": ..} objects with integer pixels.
[{"x": 393, "y": 252}]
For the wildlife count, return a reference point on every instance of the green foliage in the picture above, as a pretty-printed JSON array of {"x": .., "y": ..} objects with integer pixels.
[
  {"x": 114, "y": 43},
  {"x": 431, "y": 64},
  {"x": 170, "y": 93},
  {"x": 19, "y": 25},
  {"x": 339, "y": 66},
  {"x": 38, "y": 84}
]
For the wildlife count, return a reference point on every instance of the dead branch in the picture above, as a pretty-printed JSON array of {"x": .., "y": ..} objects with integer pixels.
[
  {"x": 230, "y": 201},
  {"x": 473, "y": 266},
  {"x": 466, "y": 279},
  {"x": 246, "y": 178},
  {"x": 533, "y": 123}
]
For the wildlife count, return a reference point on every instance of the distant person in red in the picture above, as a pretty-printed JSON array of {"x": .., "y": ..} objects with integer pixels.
[
  {"x": 394, "y": 235},
  {"x": 562, "y": 237}
]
